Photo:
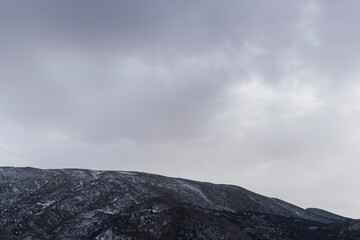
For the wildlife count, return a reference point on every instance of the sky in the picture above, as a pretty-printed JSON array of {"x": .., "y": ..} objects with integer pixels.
[{"x": 261, "y": 94}]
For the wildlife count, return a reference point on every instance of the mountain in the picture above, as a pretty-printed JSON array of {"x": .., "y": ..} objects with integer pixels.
[{"x": 87, "y": 204}]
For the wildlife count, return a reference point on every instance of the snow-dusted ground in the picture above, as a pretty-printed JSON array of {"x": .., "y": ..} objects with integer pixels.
[{"x": 76, "y": 204}]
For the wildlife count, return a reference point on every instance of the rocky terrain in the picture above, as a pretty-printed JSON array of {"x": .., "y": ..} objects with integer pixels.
[{"x": 86, "y": 204}]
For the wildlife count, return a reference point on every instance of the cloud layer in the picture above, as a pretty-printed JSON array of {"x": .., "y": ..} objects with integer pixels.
[{"x": 258, "y": 94}]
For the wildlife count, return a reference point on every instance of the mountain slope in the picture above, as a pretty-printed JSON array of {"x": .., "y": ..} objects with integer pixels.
[
  {"x": 85, "y": 204},
  {"x": 328, "y": 215}
]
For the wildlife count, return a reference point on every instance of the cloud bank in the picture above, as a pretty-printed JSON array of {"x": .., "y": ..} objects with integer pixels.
[{"x": 255, "y": 93}]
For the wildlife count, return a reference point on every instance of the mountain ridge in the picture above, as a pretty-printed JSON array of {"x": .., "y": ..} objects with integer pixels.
[{"x": 49, "y": 203}]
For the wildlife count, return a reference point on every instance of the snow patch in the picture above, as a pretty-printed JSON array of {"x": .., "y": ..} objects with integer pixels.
[
  {"x": 196, "y": 190},
  {"x": 46, "y": 204}
]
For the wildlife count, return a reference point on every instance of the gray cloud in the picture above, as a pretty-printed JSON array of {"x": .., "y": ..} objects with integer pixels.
[{"x": 260, "y": 94}]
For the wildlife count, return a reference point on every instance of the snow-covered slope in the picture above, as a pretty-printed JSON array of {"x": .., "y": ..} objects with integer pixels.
[
  {"x": 325, "y": 214},
  {"x": 85, "y": 204}
]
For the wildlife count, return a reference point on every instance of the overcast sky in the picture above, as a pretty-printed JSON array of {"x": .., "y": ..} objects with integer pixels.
[{"x": 262, "y": 94}]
